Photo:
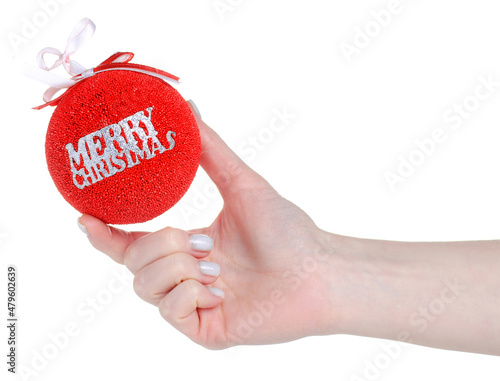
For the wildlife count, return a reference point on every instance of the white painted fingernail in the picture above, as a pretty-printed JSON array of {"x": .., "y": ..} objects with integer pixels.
[
  {"x": 216, "y": 291},
  {"x": 82, "y": 227},
  {"x": 194, "y": 107},
  {"x": 209, "y": 268},
  {"x": 201, "y": 242}
]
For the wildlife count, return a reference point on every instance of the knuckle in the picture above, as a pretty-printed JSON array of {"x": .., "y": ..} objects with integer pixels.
[
  {"x": 192, "y": 287},
  {"x": 129, "y": 256},
  {"x": 178, "y": 265},
  {"x": 166, "y": 309},
  {"x": 172, "y": 237},
  {"x": 182, "y": 267},
  {"x": 140, "y": 285}
]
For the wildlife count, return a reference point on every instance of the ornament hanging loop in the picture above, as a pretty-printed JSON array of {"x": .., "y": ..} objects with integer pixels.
[{"x": 82, "y": 32}]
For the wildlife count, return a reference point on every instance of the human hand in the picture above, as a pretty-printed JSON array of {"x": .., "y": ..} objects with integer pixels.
[
  {"x": 272, "y": 260},
  {"x": 284, "y": 278}
]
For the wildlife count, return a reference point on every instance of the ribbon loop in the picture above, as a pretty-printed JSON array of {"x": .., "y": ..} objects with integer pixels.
[
  {"x": 41, "y": 61},
  {"x": 119, "y": 57},
  {"x": 81, "y": 33}
]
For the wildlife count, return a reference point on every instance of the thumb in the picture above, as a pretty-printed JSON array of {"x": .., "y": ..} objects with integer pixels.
[{"x": 229, "y": 173}]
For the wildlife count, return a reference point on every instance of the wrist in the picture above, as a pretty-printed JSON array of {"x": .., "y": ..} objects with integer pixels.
[
  {"x": 363, "y": 279},
  {"x": 330, "y": 254}
]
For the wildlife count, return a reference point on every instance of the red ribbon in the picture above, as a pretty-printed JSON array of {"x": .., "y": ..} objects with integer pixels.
[{"x": 118, "y": 61}]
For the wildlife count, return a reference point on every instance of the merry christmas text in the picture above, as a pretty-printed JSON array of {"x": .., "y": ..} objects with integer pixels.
[{"x": 110, "y": 150}]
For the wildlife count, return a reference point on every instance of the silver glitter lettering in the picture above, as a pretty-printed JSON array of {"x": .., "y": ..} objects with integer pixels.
[
  {"x": 170, "y": 140},
  {"x": 112, "y": 149}
]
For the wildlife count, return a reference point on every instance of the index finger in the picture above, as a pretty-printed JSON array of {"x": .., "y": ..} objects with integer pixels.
[
  {"x": 138, "y": 249},
  {"x": 163, "y": 243}
]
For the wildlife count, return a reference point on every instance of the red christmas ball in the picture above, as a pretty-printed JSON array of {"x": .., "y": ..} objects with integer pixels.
[{"x": 122, "y": 146}]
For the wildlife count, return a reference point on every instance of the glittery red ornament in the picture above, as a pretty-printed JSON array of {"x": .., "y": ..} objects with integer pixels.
[{"x": 122, "y": 146}]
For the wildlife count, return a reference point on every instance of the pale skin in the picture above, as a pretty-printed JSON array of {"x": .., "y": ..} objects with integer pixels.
[{"x": 284, "y": 278}]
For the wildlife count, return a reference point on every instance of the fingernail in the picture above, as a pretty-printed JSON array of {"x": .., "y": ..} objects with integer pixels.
[
  {"x": 82, "y": 227},
  {"x": 216, "y": 291},
  {"x": 209, "y": 268},
  {"x": 201, "y": 242},
  {"x": 193, "y": 105}
]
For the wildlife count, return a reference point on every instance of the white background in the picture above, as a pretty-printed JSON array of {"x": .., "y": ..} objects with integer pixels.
[{"x": 353, "y": 121}]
